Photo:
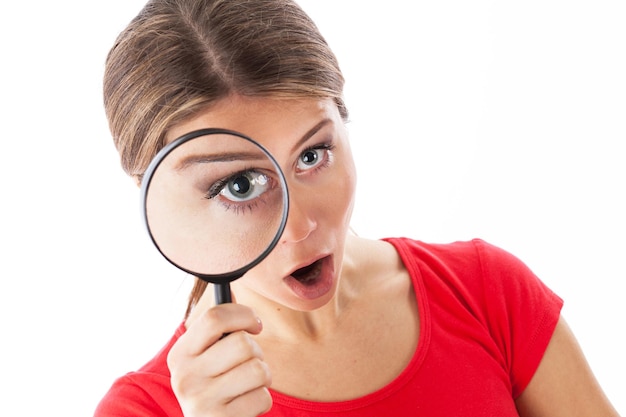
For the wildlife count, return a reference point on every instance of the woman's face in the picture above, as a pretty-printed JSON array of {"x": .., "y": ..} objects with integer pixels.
[{"x": 309, "y": 141}]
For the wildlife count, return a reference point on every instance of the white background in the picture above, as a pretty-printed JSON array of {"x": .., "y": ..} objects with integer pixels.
[{"x": 499, "y": 120}]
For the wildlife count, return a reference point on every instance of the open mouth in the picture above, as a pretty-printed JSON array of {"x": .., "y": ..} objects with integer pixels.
[
  {"x": 309, "y": 274},
  {"x": 312, "y": 281}
]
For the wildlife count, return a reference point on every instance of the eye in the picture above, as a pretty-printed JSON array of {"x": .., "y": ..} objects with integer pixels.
[
  {"x": 314, "y": 157},
  {"x": 240, "y": 187}
]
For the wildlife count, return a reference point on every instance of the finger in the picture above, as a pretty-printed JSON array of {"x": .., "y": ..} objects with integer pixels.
[
  {"x": 199, "y": 361},
  {"x": 227, "y": 353},
  {"x": 246, "y": 377},
  {"x": 199, "y": 392},
  {"x": 253, "y": 403},
  {"x": 209, "y": 327},
  {"x": 250, "y": 404}
]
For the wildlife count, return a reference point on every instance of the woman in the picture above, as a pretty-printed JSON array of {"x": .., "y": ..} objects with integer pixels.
[{"x": 329, "y": 323}]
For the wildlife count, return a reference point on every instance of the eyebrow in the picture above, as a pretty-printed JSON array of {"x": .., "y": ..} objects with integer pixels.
[
  {"x": 243, "y": 156},
  {"x": 311, "y": 132},
  {"x": 218, "y": 157}
]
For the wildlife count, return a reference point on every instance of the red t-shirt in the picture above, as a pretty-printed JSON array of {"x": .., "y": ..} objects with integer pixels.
[{"x": 485, "y": 322}]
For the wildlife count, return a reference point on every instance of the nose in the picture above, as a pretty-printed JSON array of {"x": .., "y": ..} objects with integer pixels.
[{"x": 300, "y": 222}]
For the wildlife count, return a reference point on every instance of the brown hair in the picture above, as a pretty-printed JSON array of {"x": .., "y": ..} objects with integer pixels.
[{"x": 179, "y": 56}]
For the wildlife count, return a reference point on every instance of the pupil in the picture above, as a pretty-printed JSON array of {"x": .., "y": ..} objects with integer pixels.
[
  {"x": 309, "y": 157},
  {"x": 241, "y": 185}
]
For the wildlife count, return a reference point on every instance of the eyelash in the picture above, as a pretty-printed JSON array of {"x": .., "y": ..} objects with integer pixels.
[
  {"x": 328, "y": 147},
  {"x": 219, "y": 185},
  {"x": 238, "y": 207}
]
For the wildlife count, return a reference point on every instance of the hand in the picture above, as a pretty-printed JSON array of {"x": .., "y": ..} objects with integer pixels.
[{"x": 215, "y": 376}]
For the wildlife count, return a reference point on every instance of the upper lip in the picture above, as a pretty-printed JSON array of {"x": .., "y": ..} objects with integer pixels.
[{"x": 307, "y": 263}]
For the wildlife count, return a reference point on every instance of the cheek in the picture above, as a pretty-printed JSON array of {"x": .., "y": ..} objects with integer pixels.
[
  {"x": 341, "y": 190},
  {"x": 259, "y": 279},
  {"x": 343, "y": 198}
]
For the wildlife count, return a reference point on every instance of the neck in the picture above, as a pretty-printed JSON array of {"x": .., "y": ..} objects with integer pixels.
[{"x": 283, "y": 323}]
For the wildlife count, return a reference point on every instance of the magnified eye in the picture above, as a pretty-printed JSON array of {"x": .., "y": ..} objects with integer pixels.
[
  {"x": 245, "y": 186},
  {"x": 240, "y": 187}
]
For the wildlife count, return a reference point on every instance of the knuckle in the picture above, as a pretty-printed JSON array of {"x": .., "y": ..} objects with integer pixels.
[
  {"x": 198, "y": 408},
  {"x": 263, "y": 400},
  {"x": 260, "y": 371},
  {"x": 180, "y": 385},
  {"x": 245, "y": 345},
  {"x": 253, "y": 403},
  {"x": 173, "y": 358},
  {"x": 212, "y": 316}
]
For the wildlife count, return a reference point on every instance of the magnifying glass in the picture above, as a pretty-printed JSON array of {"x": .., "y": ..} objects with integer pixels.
[{"x": 215, "y": 204}]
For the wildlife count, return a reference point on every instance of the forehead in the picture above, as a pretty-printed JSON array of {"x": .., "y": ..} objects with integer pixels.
[{"x": 260, "y": 118}]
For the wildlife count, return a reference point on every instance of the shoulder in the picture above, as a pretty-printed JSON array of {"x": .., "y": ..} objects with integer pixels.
[
  {"x": 145, "y": 392},
  {"x": 473, "y": 261},
  {"x": 139, "y": 394},
  {"x": 374, "y": 265},
  {"x": 457, "y": 263},
  {"x": 481, "y": 283},
  {"x": 476, "y": 269},
  {"x": 461, "y": 252}
]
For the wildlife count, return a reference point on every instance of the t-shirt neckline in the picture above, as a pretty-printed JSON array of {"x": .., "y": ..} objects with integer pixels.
[{"x": 403, "y": 377}]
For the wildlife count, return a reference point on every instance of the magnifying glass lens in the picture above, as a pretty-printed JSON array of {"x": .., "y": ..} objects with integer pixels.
[{"x": 215, "y": 204}]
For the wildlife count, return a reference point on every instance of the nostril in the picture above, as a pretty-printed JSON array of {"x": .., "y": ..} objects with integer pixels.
[
  {"x": 300, "y": 222},
  {"x": 298, "y": 230},
  {"x": 293, "y": 236}
]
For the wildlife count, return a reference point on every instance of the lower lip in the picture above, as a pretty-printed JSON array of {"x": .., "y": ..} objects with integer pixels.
[{"x": 320, "y": 287}]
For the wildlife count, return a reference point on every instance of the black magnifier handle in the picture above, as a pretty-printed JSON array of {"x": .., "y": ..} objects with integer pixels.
[
  {"x": 223, "y": 296},
  {"x": 222, "y": 293}
]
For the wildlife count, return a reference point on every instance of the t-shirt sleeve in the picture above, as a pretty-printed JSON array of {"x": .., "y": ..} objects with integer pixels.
[
  {"x": 522, "y": 312},
  {"x": 146, "y": 392},
  {"x": 139, "y": 395}
]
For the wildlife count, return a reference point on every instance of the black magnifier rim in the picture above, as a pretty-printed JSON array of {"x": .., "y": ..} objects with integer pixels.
[{"x": 226, "y": 277}]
